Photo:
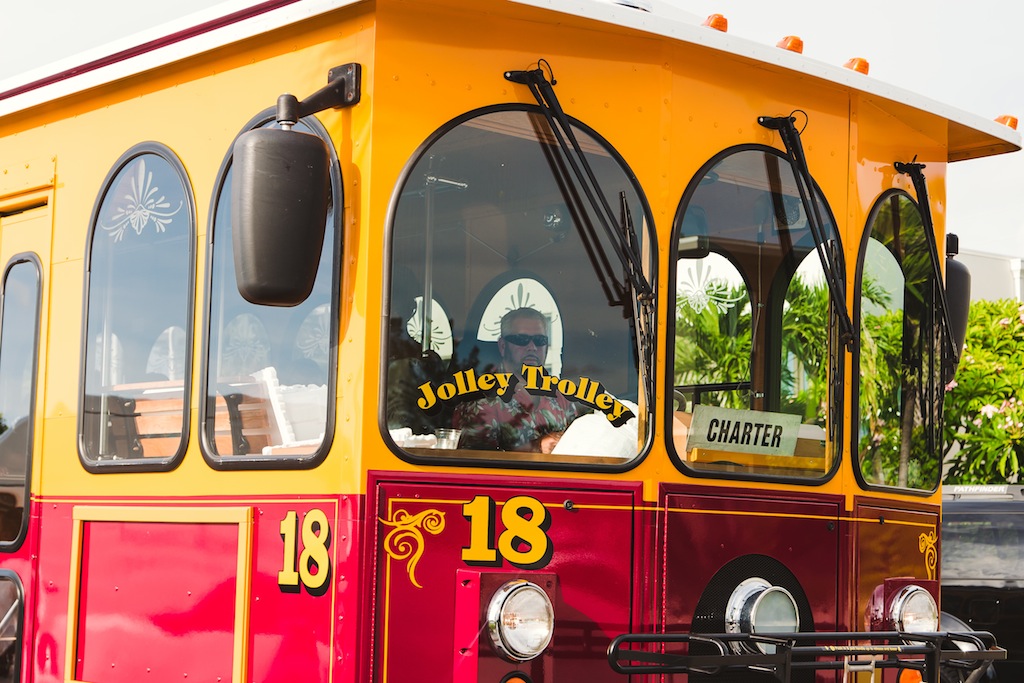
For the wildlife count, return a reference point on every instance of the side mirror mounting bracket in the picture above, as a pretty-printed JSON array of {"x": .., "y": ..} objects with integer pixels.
[
  {"x": 343, "y": 89},
  {"x": 280, "y": 196}
]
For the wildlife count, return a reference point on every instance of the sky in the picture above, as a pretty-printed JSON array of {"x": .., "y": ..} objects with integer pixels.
[{"x": 965, "y": 54}]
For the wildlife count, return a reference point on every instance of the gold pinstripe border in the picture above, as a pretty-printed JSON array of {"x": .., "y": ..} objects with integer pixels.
[
  {"x": 697, "y": 511},
  {"x": 241, "y": 516},
  {"x": 625, "y": 508}
]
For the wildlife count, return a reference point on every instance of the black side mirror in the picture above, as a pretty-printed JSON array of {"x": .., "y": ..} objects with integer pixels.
[
  {"x": 279, "y": 203},
  {"x": 280, "y": 197},
  {"x": 958, "y": 299}
]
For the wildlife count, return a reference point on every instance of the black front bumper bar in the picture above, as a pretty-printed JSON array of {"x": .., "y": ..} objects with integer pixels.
[{"x": 783, "y": 654}]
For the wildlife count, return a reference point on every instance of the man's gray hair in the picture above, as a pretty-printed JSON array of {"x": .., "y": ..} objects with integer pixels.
[{"x": 525, "y": 312}]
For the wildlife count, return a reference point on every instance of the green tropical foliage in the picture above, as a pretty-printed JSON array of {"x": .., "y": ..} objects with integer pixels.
[
  {"x": 713, "y": 341},
  {"x": 984, "y": 406},
  {"x": 893, "y": 445},
  {"x": 805, "y": 324},
  {"x": 713, "y": 345}
]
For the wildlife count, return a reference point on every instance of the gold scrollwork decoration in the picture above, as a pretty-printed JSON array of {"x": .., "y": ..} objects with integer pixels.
[
  {"x": 405, "y": 540},
  {"x": 927, "y": 544}
]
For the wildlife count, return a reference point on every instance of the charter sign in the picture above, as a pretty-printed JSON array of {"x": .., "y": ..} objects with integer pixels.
[{"x": 743, "y": 431}]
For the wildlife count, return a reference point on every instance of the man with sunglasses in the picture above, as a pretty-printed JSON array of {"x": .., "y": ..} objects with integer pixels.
[{"x": 526, "y": 421}]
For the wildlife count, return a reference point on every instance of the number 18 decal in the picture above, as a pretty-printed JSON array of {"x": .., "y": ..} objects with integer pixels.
[
  {"x": 524, "y": 543},
  {"x": 314, "y": 563}
]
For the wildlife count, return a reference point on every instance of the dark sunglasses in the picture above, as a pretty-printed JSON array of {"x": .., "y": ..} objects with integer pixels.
[{"x": 524, "y": 339}]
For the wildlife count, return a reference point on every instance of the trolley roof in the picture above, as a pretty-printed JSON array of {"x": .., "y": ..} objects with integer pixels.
[{"x": 970, "y": 136}]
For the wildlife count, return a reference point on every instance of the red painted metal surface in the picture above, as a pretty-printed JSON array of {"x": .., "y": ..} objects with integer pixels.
[
  {"x": 733, "y": 537},
  {"x": 139, "y": 613},
  {"x": 157, "y": 599},
  {"x": 429, "y": 619},
  {"x": 894, "y": 542}
]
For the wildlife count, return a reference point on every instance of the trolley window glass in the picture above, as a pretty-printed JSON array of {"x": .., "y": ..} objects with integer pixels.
[
  {"x": 900, "y": 353},
  {"x": 139, "y": 277},
  {"x": 527, "y": 346},
  {"x": 750, "y": 360},
  {"x": 983, "y": 547},
  {"x": 19, "y": 340},
  {"x": 268, "y": 368},
  {"x": 12, "y": 618}
]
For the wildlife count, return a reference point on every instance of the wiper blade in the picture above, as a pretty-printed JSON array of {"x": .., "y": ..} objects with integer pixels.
[
  {"x": 786, "y": 126},
  {"x": 544, "y": 93},
  {"x": 916, "y": 173},
  {"x": 620, "y": 232},
  {"x": 643, "y": 308}
]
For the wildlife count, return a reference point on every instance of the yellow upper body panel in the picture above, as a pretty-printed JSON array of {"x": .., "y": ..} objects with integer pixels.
[{"x": 666, "y": 105}]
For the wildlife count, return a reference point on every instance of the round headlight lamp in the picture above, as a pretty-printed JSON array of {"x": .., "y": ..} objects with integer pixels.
[
  {"x": 913, "y": 610},
  {"x": 521, "y": 620},
  {"x": 757, "y": 606}
]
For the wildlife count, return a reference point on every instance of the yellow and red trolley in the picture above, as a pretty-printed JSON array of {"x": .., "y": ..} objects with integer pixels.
[{"x": 236, "y": 336}]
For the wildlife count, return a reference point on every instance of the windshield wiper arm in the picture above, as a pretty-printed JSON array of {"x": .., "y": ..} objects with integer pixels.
[
  {"x": 786, "y": 126},
  {"x": 544, "y": 93},
  {"x": 619, "y": 232},
  {"x": 916, "y": 173}
]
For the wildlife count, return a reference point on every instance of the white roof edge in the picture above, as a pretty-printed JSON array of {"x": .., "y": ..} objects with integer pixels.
[
  {"x": 63, "y": 79},
  {"x": 675, "y": 24},
  {"x": 665, "y": 19}
]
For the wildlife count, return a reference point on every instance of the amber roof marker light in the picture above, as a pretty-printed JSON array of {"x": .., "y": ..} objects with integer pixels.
[
  {"x": 792, "y": 43},
  {"x": 1007, "y": 120},
  {"x": 717, "y": 22},
  {"x": 858, "y": 64}
]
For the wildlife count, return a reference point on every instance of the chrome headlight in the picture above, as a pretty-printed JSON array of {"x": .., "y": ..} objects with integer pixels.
[
  {"x": 757, "y": 606},
  {"x": 913, "y": 610},
  {"x": 521, "y": 620}
]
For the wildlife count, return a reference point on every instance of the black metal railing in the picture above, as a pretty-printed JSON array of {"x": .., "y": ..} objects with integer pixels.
[{"x": 783, "y": 654}]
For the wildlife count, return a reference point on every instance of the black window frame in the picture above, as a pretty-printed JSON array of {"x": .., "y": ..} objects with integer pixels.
[
  {"x": 33, "y": 260},
  {"x": 231, "y": 462},
  {"x": 936, "y": 433},
  {"x": 644, "y": 449},
  {"x": 141, "y": 464},
  {"x": 834, "y": 353}
]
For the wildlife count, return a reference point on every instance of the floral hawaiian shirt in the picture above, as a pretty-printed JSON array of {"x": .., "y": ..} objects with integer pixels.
[{"x": 492, "y": 424}]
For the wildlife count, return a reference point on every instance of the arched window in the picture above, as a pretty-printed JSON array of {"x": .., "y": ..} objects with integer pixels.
[
  {"x": 752, "y": 350},
  {"x": 900, "y": 352},
  {"x": 19, "y": 341},
  {"x": 139, "y": 283},
  {"x": 268, "y": 368},
  {"x": 488, "y": 222}
]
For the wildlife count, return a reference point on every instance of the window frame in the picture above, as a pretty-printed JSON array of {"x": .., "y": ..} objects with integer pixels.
[
  {"x": 33, "y": 260},
  {"x": 855, "y": 434},
  {"x": 773, "y": 336},
  {"x": 143, "y": 464},
  {"x": 232, "y": 462},
  {"x": 652, "y": 264},
  {"x": 19, "y": 643}
]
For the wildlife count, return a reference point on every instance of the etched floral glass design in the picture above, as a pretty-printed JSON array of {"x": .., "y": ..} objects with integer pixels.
[
  {"x": 143, "y": 205},
  {"x": 138, "y": 332}
]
